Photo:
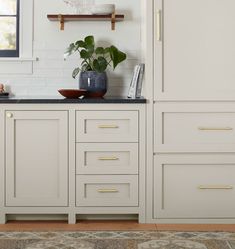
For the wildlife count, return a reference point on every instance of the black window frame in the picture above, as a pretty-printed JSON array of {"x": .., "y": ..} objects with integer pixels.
[{"x": 16, "y": 52}]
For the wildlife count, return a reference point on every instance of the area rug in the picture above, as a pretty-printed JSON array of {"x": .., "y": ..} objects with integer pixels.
[{"x": 117, "y": 240}]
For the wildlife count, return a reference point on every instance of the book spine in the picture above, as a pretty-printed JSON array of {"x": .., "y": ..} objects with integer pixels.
[
  {"x": 140, "y": 81},
  {"x": 133, "y": 86}
]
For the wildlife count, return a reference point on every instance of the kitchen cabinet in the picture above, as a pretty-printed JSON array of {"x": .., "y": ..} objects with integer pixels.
[
  {"x": 188, "y": 187},
  {"x": 107, "y": 174},
  {"x": 191, "y": 115},
  {"x": 36, "y": 158},
  {"x": 194, "y": 49},
  {"x": 66, "y": 158}
]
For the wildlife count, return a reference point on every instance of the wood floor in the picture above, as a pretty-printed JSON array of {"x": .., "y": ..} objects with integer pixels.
[{"x": 107, "y": 225}]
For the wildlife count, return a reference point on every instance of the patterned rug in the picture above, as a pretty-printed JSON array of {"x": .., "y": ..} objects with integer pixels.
[{"x": 117, "y": 240}]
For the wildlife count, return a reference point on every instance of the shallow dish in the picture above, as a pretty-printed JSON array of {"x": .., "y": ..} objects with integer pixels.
[
  {"x": 72, "y": 93},
  {"x": 4, "y": 94},
  {"x": 103, "y": 9}
]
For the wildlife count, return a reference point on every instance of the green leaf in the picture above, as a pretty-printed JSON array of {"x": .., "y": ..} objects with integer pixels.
[
  {"x": 106, "y": 50},
  {"x": 90, "y": 49},
  {"x": 76, "y": 72},
  {"x": 99, "y": 50},
  {"x": 80, "y": 44},
  {"x": 90, "y": 41},
  {"x": 84, "y": 54},
  {"x": 100, "y": 64},
  {"x": 86, "y": 67},
  {"x": 116, "y": 55},
  {"x": 69, "y": 50}
]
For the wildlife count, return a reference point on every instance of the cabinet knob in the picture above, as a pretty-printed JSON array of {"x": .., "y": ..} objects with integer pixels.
[{"x": 9, "y": 115}]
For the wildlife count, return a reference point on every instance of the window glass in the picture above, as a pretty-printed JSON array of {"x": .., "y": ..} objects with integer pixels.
[
  {"x": 9, "y": 28},
  {"x": 8, "y": 7}
]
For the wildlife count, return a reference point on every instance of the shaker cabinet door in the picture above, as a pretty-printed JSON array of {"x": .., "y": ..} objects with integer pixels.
[
  {"x": 194, "y": 49},
  {"x": 36, "y": 158}
]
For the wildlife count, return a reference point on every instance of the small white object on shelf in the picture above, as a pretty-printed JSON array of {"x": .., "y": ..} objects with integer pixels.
[
  {"x": 136, "y": 82},
  {"x": 102, "y": 9},
  {"x": 140, "y": 80},
  {"x": 80, "y": 6}
]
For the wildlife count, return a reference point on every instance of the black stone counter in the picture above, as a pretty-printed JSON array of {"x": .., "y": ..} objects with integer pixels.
[{"x": 61, "y": 100}]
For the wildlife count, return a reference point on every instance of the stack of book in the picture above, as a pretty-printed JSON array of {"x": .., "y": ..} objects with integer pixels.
[{"x": 136, "y": 82}]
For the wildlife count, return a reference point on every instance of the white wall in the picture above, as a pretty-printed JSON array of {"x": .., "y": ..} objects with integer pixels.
[{"x": 51, "y": 72}]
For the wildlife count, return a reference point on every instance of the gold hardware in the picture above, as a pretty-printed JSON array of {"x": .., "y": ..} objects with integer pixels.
[
  {"x": 113, "y": 20},
  {"x": 215, "y": 128},
  {"x": 9, "y": 115},
  {"x": 159, "y": 25},
  {"x": 61, "y": 20},
  {"x": 108, "y": 191},
  {"x": 226, "y": 187},
  {"x": 108, "y": 158},
  {"x": 108, "y": 126}
]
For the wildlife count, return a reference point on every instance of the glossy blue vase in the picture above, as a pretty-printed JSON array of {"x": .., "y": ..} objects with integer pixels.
[{"x": 95, "y": 83}]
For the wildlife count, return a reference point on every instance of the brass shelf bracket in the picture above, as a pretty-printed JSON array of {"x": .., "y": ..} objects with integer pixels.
[
  {"x": 113, "y": 21},
  {"x": 61, "y": 20}
]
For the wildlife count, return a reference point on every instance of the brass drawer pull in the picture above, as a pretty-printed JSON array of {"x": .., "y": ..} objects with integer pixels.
[
  {"x": 108, "y": 126},
  {"x": 108, "y": 158},
  {"x": 215, "y": 128},
  {"x": 226, "y": 187},
  {"x": 159, "y": 25},
  {"x": 108, "y": 191}
]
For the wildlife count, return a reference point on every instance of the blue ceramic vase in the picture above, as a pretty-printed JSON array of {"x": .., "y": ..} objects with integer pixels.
[{"x": 95, "y": 83}]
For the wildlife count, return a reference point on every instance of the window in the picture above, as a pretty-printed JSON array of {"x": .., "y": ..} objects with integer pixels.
[{"x": 9, "y": 28}]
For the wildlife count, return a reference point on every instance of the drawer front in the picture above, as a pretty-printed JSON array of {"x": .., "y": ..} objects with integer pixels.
[
  {"x": 197, "y": 128},
  {"x": 106, "y": 191},
  {"x": 119, "y": 158},
  {"x": 107, "y": 126},
  {"x": 194, "y": 190}
]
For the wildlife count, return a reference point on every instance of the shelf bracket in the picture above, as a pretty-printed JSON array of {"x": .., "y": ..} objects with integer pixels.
[
  {"x": 113, "y": 21},
  {"x": 61, "y": 20}
]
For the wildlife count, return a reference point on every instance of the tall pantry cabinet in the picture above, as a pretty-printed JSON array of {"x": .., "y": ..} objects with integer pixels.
[{"x": 193, "y": 170}]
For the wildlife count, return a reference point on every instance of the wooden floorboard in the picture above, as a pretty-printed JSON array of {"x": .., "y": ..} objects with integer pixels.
[
  {"x": 109, "y": 225},
  {"x": 197, "y": 227},
  {"x": 80, "y": 226}
]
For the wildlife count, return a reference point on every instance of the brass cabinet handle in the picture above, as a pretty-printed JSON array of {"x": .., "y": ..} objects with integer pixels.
[
  {"x": 107, "y": 190},
  {"x": 215, "y": 128},
  {"x": 9, "y": 115},
  {"x": 108, "y": 126},
  {"x": 108, "y": 158},
  {"x": 159, "y": 25},
  {"x": 226, "y": 187}
]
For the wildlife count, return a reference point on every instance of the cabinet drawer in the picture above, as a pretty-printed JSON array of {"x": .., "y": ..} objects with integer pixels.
[
  {"x": 119, "y": 158},
  {"x": 106, "y": 191},
  {"x": 107, "y": 126},
  {"x": 194, "y": 189},
  {"x": 193, "y": 128}
]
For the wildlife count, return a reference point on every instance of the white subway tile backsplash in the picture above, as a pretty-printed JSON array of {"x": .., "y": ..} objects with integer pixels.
[{"x": 52, "y": 72}]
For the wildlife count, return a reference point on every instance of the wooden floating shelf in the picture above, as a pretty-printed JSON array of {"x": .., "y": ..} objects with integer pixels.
[{"x": 113, "y": 18}]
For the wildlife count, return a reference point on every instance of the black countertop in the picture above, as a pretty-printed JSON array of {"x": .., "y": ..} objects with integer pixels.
[{"x": 61, "y": 100}]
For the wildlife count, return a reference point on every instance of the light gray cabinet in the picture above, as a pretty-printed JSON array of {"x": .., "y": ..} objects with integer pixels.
[
  {"x": 194, "y": 45},
  {"x": 107, "y": 173},
  {"x": 36, "y": 158},
  {"x": 70, "y": 159},
  {"x": 190, "y": 176}
]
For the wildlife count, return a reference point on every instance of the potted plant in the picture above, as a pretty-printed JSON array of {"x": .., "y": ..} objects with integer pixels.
[{"x": 95, "y": 61}]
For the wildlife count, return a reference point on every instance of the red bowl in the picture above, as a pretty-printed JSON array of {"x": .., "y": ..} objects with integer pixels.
[{"x": 72, "y": 93}]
